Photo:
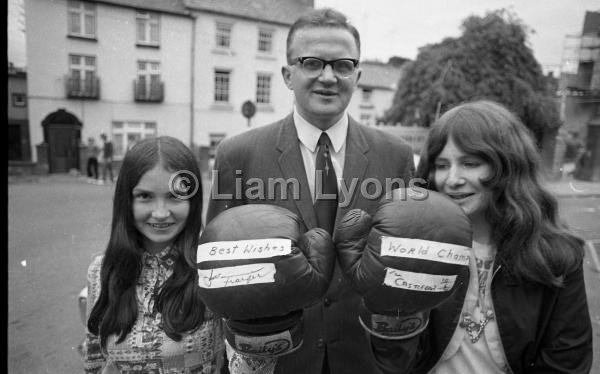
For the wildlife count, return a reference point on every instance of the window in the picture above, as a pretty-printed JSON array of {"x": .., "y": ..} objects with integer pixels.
[
  {"x": 366, "y": 94},
  {"x": 365, "y": 119},
  {"x": 263, "y": 88},
  {"x": 222, "y": 85},
  {"x": 148, "y": 27},
  {"x": 82, "y": 19},
  {"x": 223, "y": 35},
  {"x": 215, "y": 139},
  {"x": 265, "y": 40},
  {"x": 126, "y": 133},
  {"x": 148, "y": 78},
  {"x": 83, "y": 73},
  {"x": 19, "y": 99}
]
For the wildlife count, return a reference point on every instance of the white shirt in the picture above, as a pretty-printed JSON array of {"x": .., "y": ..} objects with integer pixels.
[{"x": 309, "y": 136}]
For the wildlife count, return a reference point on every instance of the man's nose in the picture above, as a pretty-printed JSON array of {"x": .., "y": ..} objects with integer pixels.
[{"x": 327, "y": 74}]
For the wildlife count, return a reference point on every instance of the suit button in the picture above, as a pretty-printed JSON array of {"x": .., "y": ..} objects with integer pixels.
[
  {"x": 320, "y": 343},
  {"x": 326, "y": 302}
]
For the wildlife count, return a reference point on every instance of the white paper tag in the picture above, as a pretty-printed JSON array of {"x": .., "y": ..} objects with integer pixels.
[
  {"x": 269, "y": 345},
  {"x": 425, "y": 250},
  {"x": 243, "y": 249},
  {"x": 240, "y": 275},
  {"x": 418, "y": 281}
]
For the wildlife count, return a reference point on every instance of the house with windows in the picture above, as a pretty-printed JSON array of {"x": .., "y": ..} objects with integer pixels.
[
  {"x": 18, "y": 123},
  {"x": 140, "y": 68},
  {"x": 375, "y": 93}
]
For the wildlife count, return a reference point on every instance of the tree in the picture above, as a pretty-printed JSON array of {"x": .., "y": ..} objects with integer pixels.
[{"x": 490, "y": 60}]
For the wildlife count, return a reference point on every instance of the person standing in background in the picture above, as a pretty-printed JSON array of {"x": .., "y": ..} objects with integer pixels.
[
  {"x": 92, "y": 160},
  {"x": 107, "y": 158}
]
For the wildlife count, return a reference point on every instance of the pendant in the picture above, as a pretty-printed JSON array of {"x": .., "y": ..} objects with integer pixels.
[{"x": 473, "y": 328}]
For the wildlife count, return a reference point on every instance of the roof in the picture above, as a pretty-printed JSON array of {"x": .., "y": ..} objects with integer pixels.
[
  {"x": 380, "y": 75},
  {"x": 165, "y": 6},
  {"x": 276, "y": 11}
]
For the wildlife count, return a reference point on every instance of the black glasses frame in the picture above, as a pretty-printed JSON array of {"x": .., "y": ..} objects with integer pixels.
[{"x": 328, "y": 62}]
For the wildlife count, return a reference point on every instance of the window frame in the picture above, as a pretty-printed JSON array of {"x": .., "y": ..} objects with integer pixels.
[
  {"x": 264, "y": 31},
  {"x": 81, "y": 10},
  {"x": 218, "y": 91},
  {"x": 120, "y": 131},
  {"x": 260, "y": 89},
  {"x": 223, "y": 31},
  {"x": 83, "y": 70},
  {"x": 19, "y": 99},
  {"x": 149, "y": 19}
]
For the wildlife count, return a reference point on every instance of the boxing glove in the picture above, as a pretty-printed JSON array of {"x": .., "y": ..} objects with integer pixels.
[
  {"x": 405, "y": 260},
  {"x": 258, "y": 268}
]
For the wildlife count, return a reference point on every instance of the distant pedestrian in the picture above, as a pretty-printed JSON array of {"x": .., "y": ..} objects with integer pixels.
[
  {"x": 107, "y": 158},
  {"x": 144, "y": 312},
  {"x": 92, "y": 159}
]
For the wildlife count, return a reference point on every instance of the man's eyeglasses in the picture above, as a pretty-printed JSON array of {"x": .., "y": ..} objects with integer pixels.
[{"x": 313, "y": 66}]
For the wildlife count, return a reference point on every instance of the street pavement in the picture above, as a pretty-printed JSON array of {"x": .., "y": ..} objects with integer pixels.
[{"x": 57, "y": 223}]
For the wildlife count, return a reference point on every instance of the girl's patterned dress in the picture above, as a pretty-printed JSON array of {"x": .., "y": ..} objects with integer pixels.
[{"x": 147, "y": 349}]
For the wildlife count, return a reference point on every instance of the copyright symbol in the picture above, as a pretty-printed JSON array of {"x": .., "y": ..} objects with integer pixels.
[{"x": 183, "y": 184}]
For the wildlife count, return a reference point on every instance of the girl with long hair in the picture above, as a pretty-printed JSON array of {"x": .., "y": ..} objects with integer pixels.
[
  {"x": 525, "y": 308},
  {"x": 145, "y": 314}
]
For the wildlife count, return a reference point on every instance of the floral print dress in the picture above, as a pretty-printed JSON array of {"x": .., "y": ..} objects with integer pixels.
[{"x": 147, "y": 349}]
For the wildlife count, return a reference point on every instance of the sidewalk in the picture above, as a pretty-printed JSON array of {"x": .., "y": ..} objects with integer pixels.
[{"x": 567, "y": 186}]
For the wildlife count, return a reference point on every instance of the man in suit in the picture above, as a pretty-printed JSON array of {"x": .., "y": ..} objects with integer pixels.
[{"x": 323, "y": 51}]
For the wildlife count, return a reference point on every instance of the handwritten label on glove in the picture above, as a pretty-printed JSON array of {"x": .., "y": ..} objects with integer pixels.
[
  {"x": 425, "y": 249},
  {"x": 270, "y": 345},
  {"x": 418, "y": 281},
  {"x": 240, "y": 275},
  {"x": 243, "y": 249}
]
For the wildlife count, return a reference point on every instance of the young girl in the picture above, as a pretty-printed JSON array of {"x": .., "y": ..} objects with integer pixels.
[
  {"x": 525, "y": 309},
  {"x": 144, "y": 311}
]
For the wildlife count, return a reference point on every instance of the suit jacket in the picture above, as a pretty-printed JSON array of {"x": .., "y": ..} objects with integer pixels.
[{"x": 331, "y": 327}]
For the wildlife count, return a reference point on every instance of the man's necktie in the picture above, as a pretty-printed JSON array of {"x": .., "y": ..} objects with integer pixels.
[{"x": 326, "y": 192}]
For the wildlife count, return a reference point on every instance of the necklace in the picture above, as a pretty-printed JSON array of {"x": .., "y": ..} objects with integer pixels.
[{"x": 473, "y": 328}]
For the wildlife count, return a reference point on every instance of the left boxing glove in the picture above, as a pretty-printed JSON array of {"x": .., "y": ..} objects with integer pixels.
[{"x": 258, "y": 269}]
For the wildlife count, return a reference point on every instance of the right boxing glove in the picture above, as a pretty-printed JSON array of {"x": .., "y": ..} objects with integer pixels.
[
  {"x": 407, "y": 259},
  {"x": 258, "y": 269}
]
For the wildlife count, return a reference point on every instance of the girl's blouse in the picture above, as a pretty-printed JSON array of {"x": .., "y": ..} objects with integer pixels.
[{"x": 147, "y": 349}]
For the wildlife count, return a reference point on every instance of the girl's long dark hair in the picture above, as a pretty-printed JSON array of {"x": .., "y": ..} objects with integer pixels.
[
  {"x": 531, "y": 241},
  {"x": 178, "y": 301}
]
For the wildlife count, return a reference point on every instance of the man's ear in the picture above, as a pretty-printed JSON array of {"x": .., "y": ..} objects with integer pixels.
[
  {"x": 358, "y": 74},
  {"x": 286, "y": 73}
]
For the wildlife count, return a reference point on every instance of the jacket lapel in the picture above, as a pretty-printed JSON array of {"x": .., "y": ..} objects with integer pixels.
[
  {"x": 292, "y": 167},
  {"x": 355, "y": 166}
]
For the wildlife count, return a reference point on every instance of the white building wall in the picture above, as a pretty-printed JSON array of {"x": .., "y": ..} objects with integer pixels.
[
  {"x": 380, "y": 101},
  {"x": 244, "y": 61},
  {"x": 48, "y": 49}
]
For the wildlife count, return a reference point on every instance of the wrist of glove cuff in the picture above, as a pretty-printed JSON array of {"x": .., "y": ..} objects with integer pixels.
[
  {"x": 397, "y": 327},
  {"x": 247, "y": 341}
]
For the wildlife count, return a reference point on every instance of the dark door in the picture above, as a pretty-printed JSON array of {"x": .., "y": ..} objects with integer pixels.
[
  {"x": 14, "y": 142},
  {"x": 63, "y": 143}
]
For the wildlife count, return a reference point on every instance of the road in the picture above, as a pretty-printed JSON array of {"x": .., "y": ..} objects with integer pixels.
[{"x": 57, "y": 224}]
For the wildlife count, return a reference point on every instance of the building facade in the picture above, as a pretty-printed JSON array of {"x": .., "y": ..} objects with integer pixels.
[
  {"x": 376, "y": 88},
  {"x": 579, "y": 91},
  {"x": 134, "y": 69},
  {"x": 18, "y": 123}
]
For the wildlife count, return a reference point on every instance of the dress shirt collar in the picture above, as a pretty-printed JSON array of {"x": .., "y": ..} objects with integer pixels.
[{"x": 309, "y": 134}]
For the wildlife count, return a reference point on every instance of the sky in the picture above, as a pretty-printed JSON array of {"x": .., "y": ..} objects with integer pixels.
[{"x": 399, "y": 27}]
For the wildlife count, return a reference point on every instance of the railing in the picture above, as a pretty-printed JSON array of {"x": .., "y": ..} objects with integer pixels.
[
  {"x": 154, "y": 92},
  {"x": 88, "y": 88}
]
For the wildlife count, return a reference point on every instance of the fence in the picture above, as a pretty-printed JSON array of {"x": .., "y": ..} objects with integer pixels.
[{"x": 415, "y": 136}]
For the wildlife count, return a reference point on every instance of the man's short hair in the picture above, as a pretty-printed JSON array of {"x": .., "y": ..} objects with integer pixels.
[{"x": 324, "y": 17}]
